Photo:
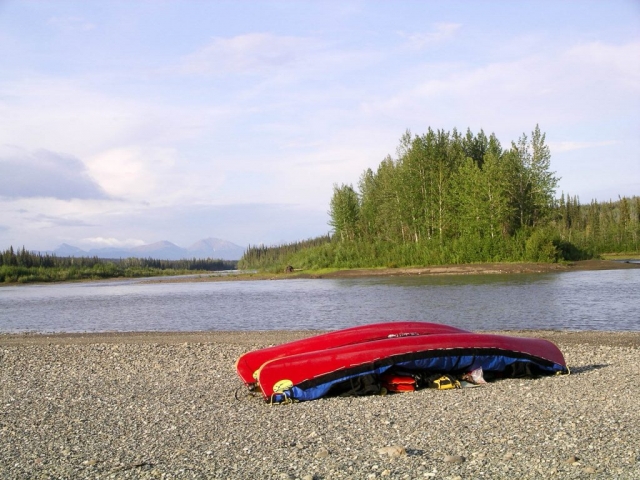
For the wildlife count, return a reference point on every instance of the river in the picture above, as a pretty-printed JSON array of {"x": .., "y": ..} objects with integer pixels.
[{"x": 578, "y": 300}]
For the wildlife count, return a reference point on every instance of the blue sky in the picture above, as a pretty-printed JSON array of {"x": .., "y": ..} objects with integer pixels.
[{"x": 123, "y": 123}]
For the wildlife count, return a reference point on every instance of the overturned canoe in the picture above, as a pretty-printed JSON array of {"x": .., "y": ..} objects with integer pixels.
[
  {"x": 314, "y": 374},
  {"x": 249, "y": 363}
]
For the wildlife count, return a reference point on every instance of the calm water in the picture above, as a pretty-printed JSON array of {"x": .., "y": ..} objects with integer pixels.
[{"x": 598, "y": 300}]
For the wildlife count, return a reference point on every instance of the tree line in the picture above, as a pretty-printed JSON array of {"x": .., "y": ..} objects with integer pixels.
[
  {"x": 23, "y": 266},
  {"x": 264, "y": 257},
  {"x": 444, "y": 185},
  {"x": 453, "y": 198},
  {"x": 600, "y": 227}
]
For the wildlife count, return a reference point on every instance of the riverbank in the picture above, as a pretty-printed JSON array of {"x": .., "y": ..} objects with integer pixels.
[
  {"x": 489, "y": 268},
  {"x": 464, "y": 269},
  {"x": 162, "y": 405}
]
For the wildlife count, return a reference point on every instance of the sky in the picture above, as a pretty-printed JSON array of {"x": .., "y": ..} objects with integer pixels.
[{"x": 124, "y": 123}]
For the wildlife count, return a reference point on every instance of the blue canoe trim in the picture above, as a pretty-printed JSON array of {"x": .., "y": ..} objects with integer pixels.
[{"x": 437, "y": 364}]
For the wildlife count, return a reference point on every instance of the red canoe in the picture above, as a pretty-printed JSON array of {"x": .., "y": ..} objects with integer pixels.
[
  {"x": 249, "y": 363},
  {"x": 311, "y": 375}
]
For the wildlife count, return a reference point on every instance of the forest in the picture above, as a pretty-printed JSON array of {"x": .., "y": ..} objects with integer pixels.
[
  {"x": 23, "y": 266},
  {"x": 449, "y": 198}
]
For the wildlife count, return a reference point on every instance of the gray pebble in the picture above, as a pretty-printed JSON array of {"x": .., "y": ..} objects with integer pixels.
[
  {"x": 162, "y": 410},
  {"x": 322, "y": 453},
  {"x": 454, "y": 459},
  {"x": 392, "y": 451}
]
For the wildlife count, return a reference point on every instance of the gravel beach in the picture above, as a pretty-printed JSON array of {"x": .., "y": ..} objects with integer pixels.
[{"x": 158, "y": 405}]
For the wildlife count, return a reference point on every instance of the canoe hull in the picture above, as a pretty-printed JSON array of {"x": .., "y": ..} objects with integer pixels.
[
  {"x": 311, "y": 375},
  {"x": 249, "y": 363}
]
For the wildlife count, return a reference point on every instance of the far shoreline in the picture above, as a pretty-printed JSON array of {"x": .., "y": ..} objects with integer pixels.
[{"x": 500, "y": 268}]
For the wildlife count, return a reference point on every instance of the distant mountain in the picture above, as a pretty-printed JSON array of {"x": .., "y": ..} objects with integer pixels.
[
  {"x": 164, "y": 250},
  {"x": 66, "y": 250},
  {"x": 107, "y": 252},
  {"x": 215, "y": 248}
]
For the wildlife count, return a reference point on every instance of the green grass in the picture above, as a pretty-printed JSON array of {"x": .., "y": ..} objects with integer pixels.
[
  {"x": 17, "y": 274},
  {"x": 621, "y": 256}
]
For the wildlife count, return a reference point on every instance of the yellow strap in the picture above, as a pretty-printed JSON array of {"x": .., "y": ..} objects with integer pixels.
[{"x": 287, "y": 399}]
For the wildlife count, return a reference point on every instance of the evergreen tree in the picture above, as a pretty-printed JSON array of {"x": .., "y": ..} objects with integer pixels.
[
  {"x": 624, "y": 221},
  {"x": 476, "y": 147}
]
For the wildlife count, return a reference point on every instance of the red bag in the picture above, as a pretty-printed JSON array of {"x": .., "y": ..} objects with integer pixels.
[{"x": 397, "y": 383}]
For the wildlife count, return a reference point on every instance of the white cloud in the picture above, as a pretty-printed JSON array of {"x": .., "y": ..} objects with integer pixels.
[
  {"x": 568, "y": 146},
  {"x": 617, "y": 64},
  {"x": 65, "y": 115},
  {"x": 82, "y": 117},
  {"x": 60, "y": 221},
  {"x": 441, "y": 33},
  {"x": 98, "y": 242},
  {"x": 253, "y": 53},
  {"x": 275, "y": 59},
  {"x": 553, "y": 89},
  {"x": 71, "y": 23},
  {"x": 160, "y": 176},
  {"x": 130, "y": 173}
]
